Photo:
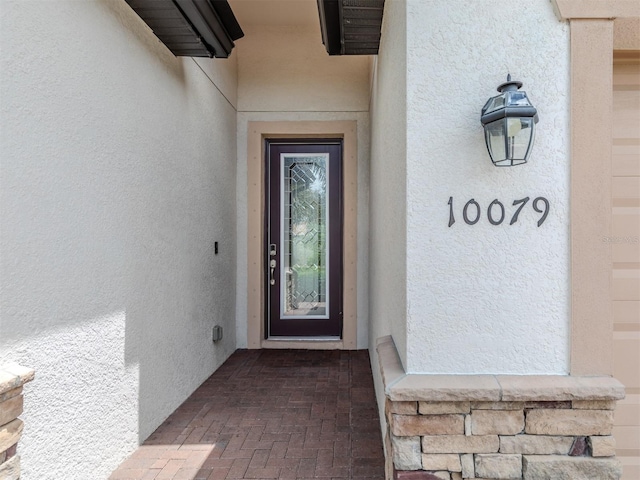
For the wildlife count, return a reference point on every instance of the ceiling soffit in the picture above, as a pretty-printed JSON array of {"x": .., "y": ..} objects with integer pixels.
[
  {"x": 351, "y": 27},
  {"x": 192, "y": 28}
]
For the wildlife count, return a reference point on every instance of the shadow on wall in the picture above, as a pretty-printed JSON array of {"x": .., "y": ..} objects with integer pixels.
[
  {"x": 121, "y": 178},
  {"x": 66, "y": 219}
]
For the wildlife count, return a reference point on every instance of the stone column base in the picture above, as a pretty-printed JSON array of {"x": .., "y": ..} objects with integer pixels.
[
  {"x": 12, "y": 378},
  {"x": 455, "y": 427}
]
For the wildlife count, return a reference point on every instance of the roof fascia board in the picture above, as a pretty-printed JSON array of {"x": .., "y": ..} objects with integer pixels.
[{"x": 568, "y": 9}]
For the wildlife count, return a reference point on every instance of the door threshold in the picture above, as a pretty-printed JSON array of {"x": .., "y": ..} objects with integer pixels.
[
  {"x": 307, "y": 339},
  {"x": 308, "y": 343}
]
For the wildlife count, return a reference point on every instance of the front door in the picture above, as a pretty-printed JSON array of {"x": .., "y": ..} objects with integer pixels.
[{"x": 304, "y": 239}]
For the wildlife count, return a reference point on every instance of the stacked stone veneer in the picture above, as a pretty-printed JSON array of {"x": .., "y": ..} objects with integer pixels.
[
  {"x": 457, "y": 427},
  {"x": 12, "y": 378}
]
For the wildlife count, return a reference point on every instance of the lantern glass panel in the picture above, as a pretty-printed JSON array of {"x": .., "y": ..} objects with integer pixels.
[
  {"x": 517, "y": 99},
  {"x": 495, "y": 103},
  {"x": 494, "y": 136},
  {"x": 519, "y": 132}
]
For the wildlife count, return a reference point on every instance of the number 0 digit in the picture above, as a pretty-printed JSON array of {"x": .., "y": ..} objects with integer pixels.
[
  {"x": 464, "y": 212},
  {"x": 491, "y": 220}
]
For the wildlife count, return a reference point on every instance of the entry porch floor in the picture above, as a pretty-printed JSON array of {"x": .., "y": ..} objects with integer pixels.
[{"x": 287, "y": 414}]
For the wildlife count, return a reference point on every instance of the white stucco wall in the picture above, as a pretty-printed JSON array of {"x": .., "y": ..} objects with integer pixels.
[
  {"x": 117, "y": 175},
  {"x": 484, "y": 298},
  {"x": 388, "y": 230},
  {"x": 285, "y": 74}
]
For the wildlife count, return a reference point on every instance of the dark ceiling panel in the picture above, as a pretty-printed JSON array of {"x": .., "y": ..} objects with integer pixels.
[
  {"x": 193, "y": 28},
  {"x": 351, "y": 27}
]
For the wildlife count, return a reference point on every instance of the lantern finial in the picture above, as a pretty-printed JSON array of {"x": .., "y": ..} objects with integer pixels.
[{"x": 509, "y": 85}]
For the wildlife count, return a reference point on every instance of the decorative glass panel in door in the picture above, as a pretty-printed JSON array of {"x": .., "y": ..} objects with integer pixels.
[
  {"x": 304, "y": 275},
  {"x": 304, "y": 244}
]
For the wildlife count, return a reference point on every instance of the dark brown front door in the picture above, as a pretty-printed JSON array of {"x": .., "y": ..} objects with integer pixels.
[{"x": 304, "y": 239}]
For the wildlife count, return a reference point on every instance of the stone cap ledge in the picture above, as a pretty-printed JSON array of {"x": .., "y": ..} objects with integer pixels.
[
  {"x": 400, "y": 386},
  {"x": 13, "y": 376}
]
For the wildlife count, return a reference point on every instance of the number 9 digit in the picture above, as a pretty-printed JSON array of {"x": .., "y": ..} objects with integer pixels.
[{"x": 544, "y": 212}]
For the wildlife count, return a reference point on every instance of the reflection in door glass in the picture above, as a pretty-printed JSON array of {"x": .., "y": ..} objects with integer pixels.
[{"x": 304, "y": 273}]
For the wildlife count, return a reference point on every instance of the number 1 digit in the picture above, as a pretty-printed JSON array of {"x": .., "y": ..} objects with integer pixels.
[{"x": 452, "y": 219}]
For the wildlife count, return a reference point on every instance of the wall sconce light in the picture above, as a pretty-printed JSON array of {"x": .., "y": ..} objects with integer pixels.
[{"x": 509, "y": 125}]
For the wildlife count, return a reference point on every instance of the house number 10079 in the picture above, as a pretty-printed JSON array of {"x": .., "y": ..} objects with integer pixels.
[{"x": 471, "y": 212}]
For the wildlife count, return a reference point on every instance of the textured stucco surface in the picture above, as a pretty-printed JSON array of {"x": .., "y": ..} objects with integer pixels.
[
  {"x": 591, "y": 193},
  {"x": 626, "y": 33},
  {"x": 387, "y": 281},
  {"x": 387, "y": 236},
  {"x": 484, "y": 298},
  {"x": 117, "y": 176}
]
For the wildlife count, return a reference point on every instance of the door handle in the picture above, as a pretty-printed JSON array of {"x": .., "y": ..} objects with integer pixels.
[{"x": 272, "y": 267}]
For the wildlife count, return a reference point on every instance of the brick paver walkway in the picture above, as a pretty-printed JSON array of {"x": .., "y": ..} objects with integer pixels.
[{"x": 289, "y": 414}]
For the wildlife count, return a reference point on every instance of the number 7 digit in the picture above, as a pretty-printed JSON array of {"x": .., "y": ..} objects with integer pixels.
[{"x": 523, "y": 202}]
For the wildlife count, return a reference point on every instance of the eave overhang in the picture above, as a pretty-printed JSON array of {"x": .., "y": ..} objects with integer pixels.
[
  {"x": 191, "y": 28},
  {"x": 351, "y": 27}
]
